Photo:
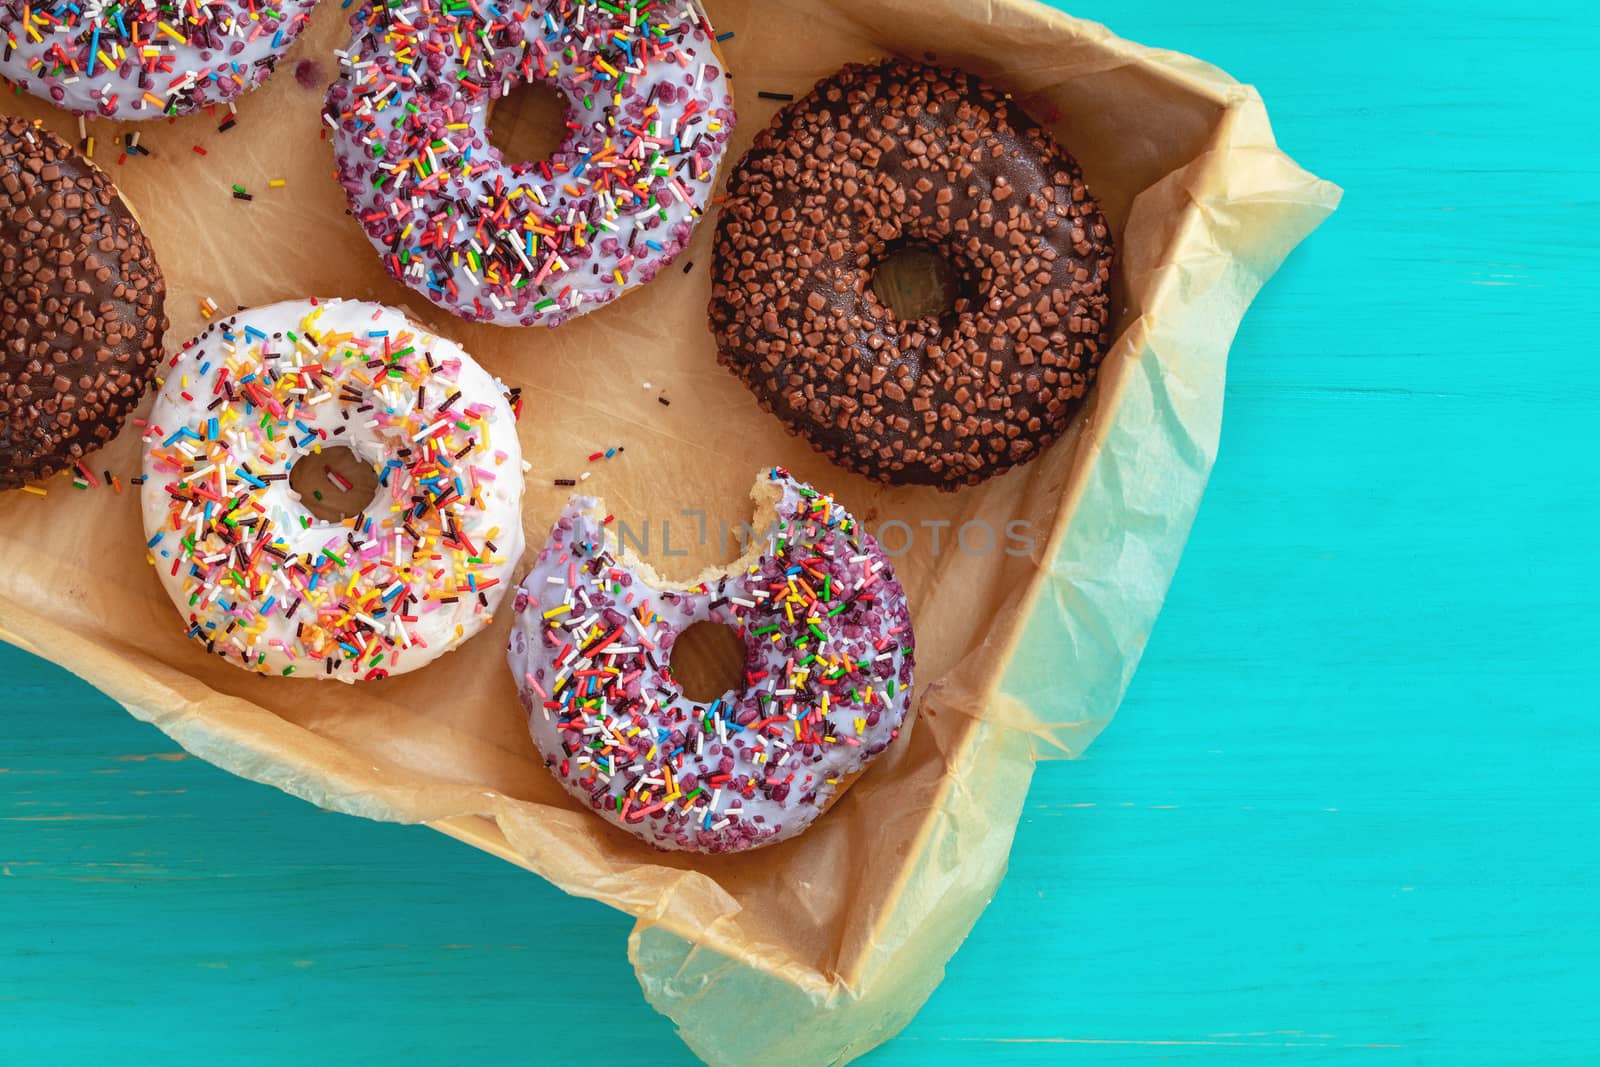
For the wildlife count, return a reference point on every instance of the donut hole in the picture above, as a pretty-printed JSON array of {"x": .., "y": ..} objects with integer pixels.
[
  {"x": 528, "y": 124},
  {"x": 707, "y": 659},
  {"x": 915, "y": 280},
  {"x": 334, "y": 484}
]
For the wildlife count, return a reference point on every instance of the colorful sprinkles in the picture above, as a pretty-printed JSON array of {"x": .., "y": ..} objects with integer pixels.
[
  {"x": 262, "y": 582},
  {"x": 649, "y": 115},
  {"x": 144, "y": 60},
  {"x": 827, "y": 675}
]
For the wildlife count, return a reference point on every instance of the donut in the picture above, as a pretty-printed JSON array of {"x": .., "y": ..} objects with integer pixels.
[
  {"x": 144, "y": 60},
  {"x": 895, "y": 155},
  {"x": 262, "y": 582},
  {"x": 649, "y": 113},
  {"x": 81, "y": 306},
  {"x": 827, "y": 673}
]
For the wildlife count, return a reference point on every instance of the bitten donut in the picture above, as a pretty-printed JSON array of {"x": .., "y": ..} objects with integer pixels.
[
  {"x": 144, "y": 60},
  {"x": 81, "y": 306},
  {"x": 261, "y": 581},
  {"x": 649, "y": 112},
  {"x": 878, "y": 158},
  {"x": 827, "y": 674}
]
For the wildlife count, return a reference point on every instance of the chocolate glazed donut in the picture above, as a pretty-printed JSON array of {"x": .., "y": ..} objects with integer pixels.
[
  {"x": 81, "y": 306},
  {"x": 877, "y": 158}
]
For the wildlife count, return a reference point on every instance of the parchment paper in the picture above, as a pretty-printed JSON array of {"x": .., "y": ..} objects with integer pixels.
[{"x": 818, "y": 949}]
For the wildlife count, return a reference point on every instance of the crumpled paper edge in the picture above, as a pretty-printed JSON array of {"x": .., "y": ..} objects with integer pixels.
[{"x": 1097, "y": 596}]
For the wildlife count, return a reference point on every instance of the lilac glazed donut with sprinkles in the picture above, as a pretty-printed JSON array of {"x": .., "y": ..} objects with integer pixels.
[
  {"x": 649, "y": 113},
  {"x": 268, "y": 586},
  {"x": 826, "y": 688},
  {"x": 144, "y": 60}
]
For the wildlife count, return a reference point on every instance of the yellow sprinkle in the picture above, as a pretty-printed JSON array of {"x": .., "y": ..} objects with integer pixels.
[
  {"x": 35, "y": 490},
  {"x": 557, "y": 610},
  {"x": 276, "y": 183}
]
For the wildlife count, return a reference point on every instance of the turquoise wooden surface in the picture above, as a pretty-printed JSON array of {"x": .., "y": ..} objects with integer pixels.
[{"x": 1346, "y": 814}]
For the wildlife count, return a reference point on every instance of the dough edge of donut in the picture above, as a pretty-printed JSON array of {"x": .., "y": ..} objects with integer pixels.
[{"x": 765, "y": 495}]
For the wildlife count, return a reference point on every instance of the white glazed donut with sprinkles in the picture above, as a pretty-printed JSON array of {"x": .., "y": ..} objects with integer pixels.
[
  {"x": 137, "y": 59},
  {"x": 826, "y": 687},
  {"x": 649, "y": 114},
  {"x": 268, "y": 586}
]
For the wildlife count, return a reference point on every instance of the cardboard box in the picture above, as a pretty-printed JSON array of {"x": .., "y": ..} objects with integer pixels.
[{"x": 820, "y": 948}]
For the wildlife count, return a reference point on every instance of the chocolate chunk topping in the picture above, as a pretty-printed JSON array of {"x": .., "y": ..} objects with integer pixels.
[
  {"x": 873, "y": 159},
  {"x": 81, "y": 306}
]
